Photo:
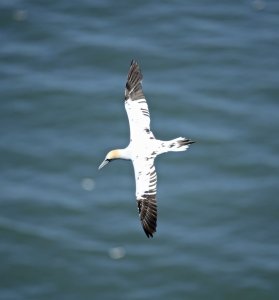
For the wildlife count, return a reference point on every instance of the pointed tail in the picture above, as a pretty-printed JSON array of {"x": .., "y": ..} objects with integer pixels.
[{"x": 178, "y": 144}]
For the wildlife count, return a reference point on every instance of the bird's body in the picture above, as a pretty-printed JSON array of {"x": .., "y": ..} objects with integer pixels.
[{"x": 143, "y": 149}]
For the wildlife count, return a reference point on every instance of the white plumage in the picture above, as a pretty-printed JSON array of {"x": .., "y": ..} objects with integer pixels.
[{"x": 142, "y": 149}]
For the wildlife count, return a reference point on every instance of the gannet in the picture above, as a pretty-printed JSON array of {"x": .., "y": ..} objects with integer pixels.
[{"x": 143, "y": 149}]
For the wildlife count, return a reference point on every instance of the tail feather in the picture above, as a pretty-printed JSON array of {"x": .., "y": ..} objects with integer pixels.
[{"x": 178, "y": 144}]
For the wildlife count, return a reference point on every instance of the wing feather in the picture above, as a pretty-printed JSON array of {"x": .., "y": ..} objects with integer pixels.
[
  {"x": 146, "y": 189},
  {"x": 145, "y": 174},
  {"x": 135, "y": 102}
]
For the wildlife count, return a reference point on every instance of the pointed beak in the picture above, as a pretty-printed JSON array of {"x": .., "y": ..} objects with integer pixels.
[{"x": 106, "y": 161}]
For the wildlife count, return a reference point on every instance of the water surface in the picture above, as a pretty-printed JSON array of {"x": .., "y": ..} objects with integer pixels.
[{"x": 210, "y": 74}]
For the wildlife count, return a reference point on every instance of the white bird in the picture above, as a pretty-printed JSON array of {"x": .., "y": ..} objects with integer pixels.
[{"x": 142, "y": 149}]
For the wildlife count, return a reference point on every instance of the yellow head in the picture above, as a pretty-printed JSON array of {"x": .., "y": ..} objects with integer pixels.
[{"x": 113, "y": 154}]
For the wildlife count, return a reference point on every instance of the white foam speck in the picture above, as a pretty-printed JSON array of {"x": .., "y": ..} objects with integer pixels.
[
  {"x": 20, "y": 15},
  {"x": 88, "y": 184},
  {"x": 117, "y": 252}
]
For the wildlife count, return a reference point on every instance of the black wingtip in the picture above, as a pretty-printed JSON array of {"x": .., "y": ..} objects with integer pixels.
[
  {"x": 133, "y": 61},
  {"x": 133, "y": 88},
  {"x": 147, "y": 209},
  {"x": 135, "y": 68},
  {"x": 148, "y": 234}
]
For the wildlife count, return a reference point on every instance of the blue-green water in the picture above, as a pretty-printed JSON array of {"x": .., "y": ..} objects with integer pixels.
[{"x": 211, "y": 73}]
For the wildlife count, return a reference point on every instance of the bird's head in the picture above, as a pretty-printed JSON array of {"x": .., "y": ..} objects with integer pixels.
[{"x": 113, "y": 154}]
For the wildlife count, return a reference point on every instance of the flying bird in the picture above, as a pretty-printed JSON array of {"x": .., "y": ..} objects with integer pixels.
[{"x": 143, "y": 149}]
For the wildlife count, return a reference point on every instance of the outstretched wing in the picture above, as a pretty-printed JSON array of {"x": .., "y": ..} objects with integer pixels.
[
  {"x": 146, "y": 188},
  {"x": 135, "y": 102}
]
